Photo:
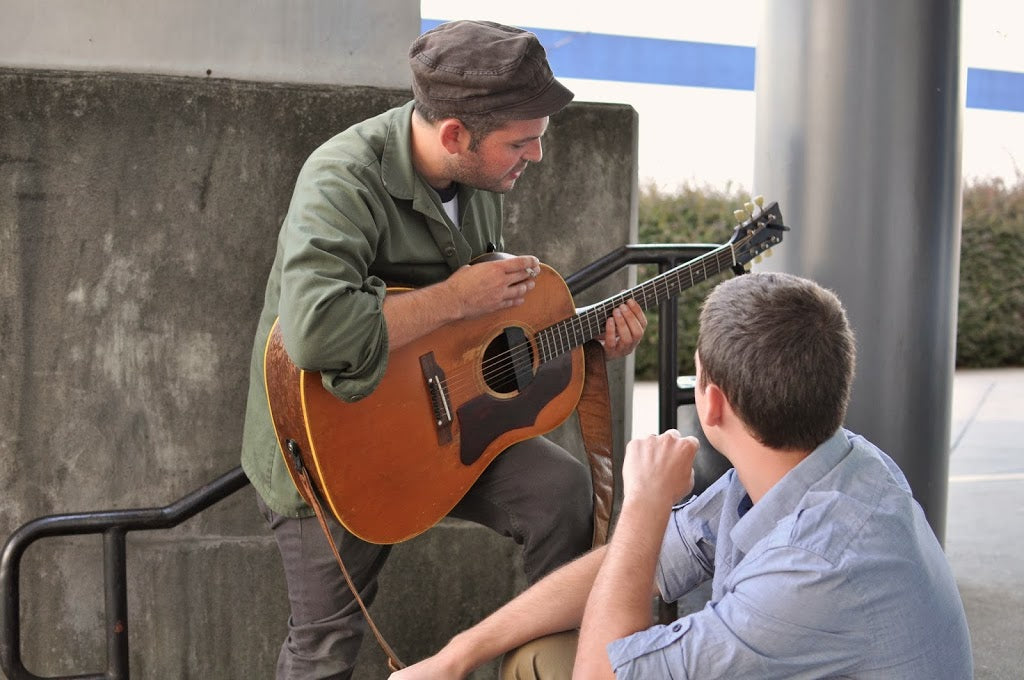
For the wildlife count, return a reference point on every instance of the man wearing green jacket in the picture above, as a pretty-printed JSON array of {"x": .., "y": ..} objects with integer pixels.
[{"x": 412, "y": 196}]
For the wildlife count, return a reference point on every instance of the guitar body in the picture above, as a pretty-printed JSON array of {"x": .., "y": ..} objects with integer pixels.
[{"x": 393, "y": 464}]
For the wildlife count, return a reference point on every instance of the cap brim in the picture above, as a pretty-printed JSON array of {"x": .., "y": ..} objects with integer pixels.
[{"x": 550, "y": 101}]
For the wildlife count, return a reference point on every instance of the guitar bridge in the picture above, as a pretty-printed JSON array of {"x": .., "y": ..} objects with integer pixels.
[{"x": 437, "y": 386}]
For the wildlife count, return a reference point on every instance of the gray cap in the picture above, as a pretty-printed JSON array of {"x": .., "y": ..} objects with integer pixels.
[{"x": 480, "y": 67}]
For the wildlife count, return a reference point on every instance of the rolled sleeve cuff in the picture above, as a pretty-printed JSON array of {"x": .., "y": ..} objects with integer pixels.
[
  {"x": 647, "y": 654},
  {"x": 354, "y": 388},
  {"x": 681, "y": 563},
  {"x": 353, "y": 385}
]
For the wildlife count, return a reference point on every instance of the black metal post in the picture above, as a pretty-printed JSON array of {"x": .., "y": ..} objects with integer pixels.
[{"x": 116, "y": 591}]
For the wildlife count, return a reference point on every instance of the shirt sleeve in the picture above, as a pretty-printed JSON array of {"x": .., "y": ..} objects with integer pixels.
[
  {"x": 687, "y": 556},
  {"x": 331, "y": 309},
  {"x": 779, "y": 618}
]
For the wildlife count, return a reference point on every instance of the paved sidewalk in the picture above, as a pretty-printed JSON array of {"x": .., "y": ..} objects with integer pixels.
[
  {"x": 985, "y": 512},
  {"x": 985, "y": 515}
]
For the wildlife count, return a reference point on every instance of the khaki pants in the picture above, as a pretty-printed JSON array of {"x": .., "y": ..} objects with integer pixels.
[{"x": 547, "y": 658}]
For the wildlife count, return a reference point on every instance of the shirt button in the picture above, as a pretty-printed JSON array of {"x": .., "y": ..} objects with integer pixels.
[
  {"x": 676, "y": 628},
  {"x": 449, "y": 251}
]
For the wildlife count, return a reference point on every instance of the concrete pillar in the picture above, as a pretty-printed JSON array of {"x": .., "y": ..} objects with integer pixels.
[{"x": 858, "y": 136}]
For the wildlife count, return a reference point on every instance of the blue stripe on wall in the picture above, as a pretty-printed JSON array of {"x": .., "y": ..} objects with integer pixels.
[
  {"x": 648, "y": 60},
  {"x": 996, "y": 90},
  {"x": 599, "y": 56}
]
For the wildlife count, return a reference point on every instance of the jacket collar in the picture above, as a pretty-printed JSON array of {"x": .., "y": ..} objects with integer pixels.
[
  {"x": 396, "y": 171},
  {"x": 782, "y": 499},
  {"x": 398, "y": 175}
]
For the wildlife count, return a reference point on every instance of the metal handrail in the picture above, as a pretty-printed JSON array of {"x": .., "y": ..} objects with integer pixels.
[
  {"x": 115, "y": 524},
  {"x": 671, "y": 394}
]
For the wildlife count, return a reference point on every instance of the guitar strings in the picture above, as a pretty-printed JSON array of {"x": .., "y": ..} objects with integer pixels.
[
  {"x": 502, "y": 366},
  {"x": 594, "y": 319}
]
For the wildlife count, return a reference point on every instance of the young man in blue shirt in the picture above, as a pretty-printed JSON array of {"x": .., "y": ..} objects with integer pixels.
[{"x": 821, "y": 562}]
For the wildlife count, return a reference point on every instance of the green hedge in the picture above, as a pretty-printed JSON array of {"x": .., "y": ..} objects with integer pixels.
[
  {"x": 990, "y": 329},
  {"x": 990, "y": 311},
  {"x": 690, "y": 216}
]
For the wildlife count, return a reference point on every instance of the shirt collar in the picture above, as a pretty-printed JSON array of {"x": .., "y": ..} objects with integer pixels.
[
  {"x": 782, "y": 499},
  {"x": 398, "y": 175},
  {"x": 396, "y": 171}
]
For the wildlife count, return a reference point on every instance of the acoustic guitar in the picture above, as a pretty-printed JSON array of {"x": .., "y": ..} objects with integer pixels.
[{"x": 394, "y": 463}]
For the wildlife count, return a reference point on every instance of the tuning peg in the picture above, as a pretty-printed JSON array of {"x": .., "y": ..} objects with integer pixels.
[
  {"x": 749, "y": 207},
  {"x": 759, "y": 200},
  {"x": 740, "y": 215},
  {"x": 758, "y": 259},
  {"x": 768, "y": 253}
]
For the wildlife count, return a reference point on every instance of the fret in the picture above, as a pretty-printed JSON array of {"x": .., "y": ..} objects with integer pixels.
[
  {"x": 563, "y": 338},
  {"x": 589, "y": 323}
]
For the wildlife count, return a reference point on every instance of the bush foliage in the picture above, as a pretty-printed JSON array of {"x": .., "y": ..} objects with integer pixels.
[
  {"x": 990, "y": 328},
  {"x": 990, "y": 311},
  {"x": 690, "y": 216}
]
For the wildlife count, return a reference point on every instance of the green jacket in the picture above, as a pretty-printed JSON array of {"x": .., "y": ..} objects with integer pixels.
[{"x": 360, "y": 216}]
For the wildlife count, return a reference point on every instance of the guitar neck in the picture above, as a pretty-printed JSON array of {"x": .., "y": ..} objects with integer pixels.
[{"x": 589, "y": 323}]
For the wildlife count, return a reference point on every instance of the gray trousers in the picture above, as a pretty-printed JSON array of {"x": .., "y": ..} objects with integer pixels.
[{"x": 535, "y": 492}]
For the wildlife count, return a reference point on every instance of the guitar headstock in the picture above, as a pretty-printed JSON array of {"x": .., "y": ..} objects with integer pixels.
[{"x": 759, "y": 228}]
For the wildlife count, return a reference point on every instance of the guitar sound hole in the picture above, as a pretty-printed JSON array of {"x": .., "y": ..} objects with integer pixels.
[{"x": 508, "y": 361}]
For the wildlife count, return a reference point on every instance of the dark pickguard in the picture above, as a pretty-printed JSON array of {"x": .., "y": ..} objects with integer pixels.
[{"x": 484, "y": 418}]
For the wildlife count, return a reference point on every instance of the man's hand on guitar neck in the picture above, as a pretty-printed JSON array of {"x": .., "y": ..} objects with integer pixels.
[
  {"x": 472, "y": 291},
  {"x": 624, "y": 330}
]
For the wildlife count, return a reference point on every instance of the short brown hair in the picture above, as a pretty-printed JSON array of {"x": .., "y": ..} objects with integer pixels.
[
  {"x": 478, "y": 125},
  {"x": 781, "y": 350}
]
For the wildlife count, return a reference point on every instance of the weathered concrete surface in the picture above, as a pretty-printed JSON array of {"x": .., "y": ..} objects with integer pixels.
[
  {"x": 315, "y": 41},
  {"x": 138, "y": 217}
]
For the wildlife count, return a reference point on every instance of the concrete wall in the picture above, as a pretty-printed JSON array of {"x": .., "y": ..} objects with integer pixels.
[
  {"x": 340, "y": 42},
  {"x": 138, "y": 217}
]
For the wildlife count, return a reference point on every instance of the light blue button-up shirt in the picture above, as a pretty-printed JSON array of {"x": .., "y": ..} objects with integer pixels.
[{"x": 834, "y": 573}]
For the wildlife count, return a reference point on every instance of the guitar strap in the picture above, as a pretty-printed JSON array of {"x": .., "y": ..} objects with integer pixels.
[
  {"x": 594, "y": 410},
  {"x": 394, "y": 663},
  {"x": 595, "y": 414}
]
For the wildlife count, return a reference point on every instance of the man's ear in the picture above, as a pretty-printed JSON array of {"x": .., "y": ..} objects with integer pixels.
[
  {"x": 453, "y": 135},
  {"x": 712, "y": 406}
]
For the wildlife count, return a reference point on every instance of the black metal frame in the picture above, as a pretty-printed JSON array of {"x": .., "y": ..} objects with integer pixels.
[
  {"x": 672, "y": 393},
  {"x": 115, "y": 524}
]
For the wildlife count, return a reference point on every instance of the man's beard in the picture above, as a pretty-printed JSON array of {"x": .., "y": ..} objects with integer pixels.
[{"x": 472, "y": 174}]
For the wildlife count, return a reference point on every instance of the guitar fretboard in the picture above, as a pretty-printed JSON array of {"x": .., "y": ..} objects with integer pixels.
[{"x": 589, "y": 323}]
